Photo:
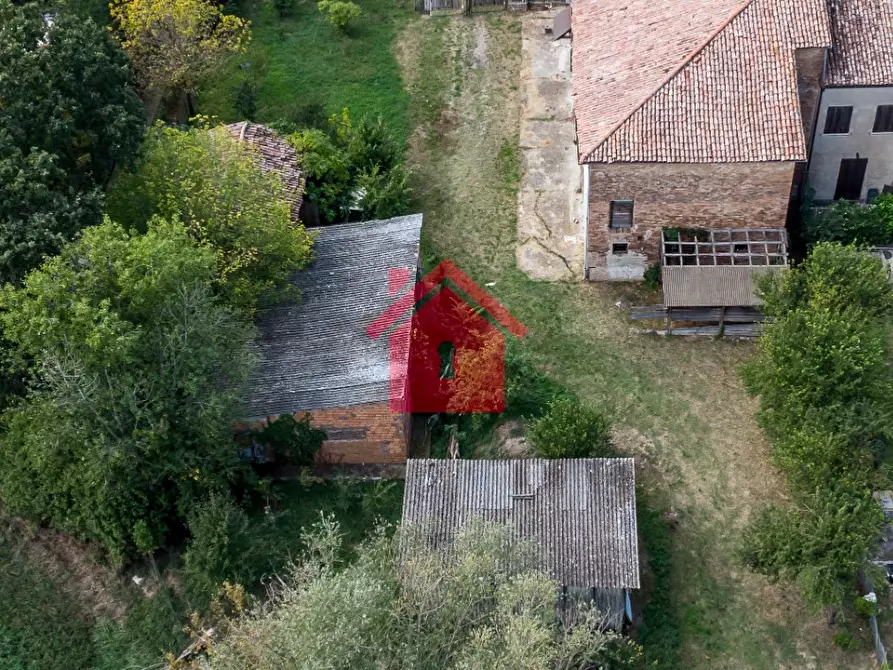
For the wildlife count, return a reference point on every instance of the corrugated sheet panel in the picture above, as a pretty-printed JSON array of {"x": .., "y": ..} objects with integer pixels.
[
  {"x": 315, "y": 353},
  {"x": 580, "y": 514},
  {"x": 712, "y": 286}
]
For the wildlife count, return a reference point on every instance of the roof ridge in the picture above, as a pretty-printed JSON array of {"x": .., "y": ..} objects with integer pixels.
[{"x": 670, "y": 77}]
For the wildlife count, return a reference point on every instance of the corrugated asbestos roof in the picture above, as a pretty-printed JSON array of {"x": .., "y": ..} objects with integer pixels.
[
  {"x": 691, "y": 81},
  {"x": 716, "y": 286},
  {"x": 862, "y": 54},
  {"x": 579, "y": 513},
  {"x": 277, "y": 155},
  {"x": 316, "y": 354}
]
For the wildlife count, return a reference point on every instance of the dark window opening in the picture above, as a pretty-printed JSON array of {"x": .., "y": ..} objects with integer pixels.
[
  {"x": 621, "y": 214},
  {"x": 619, "y": 248},
  {"x": 883, "y": 119},
  {"x": 740, "y": 248},
  {"x": 849, "y": 179},
  {"x": 837, "y": 120},
  {"x": 447, "y": 353}
]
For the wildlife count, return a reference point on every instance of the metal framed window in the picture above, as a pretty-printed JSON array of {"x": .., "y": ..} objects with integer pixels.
[
  {"x": 837, "y": 120},
  {"x": 883, "y": 119},
  {"x": 621, "y": 214}
]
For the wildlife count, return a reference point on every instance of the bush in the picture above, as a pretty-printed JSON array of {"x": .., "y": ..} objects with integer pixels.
[
  {"x": 292, "y": 441},
  {"x": 245, "y": 100},
  {"x": 221, "y": 547},
  {"x": 652, "y": 277},
  {"x": 569, "y": 429},
  {"x": 851, "y": 223},
  {"x": 384, "y": 194},
  {"x": 339, "y": 13}
]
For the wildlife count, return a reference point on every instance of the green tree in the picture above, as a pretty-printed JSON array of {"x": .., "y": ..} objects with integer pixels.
[
  {"x": 822, "y": 374},
  {"x": 137, "y": 372},
  {"x": 216, "y": 186},
  {"x": 174, "y": 44},
  {"x": 427, "y": 614},
  {"x": 820, "y": 545},
  {"x": 69, "y": 116}
]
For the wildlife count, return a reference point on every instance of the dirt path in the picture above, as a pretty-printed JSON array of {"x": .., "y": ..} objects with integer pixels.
[{"x": 678, "y": 405}]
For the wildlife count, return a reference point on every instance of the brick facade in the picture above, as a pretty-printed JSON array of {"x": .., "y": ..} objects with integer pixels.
[
  {"x": 368, "y": 433},
  {"x": 681, "y": 195}
]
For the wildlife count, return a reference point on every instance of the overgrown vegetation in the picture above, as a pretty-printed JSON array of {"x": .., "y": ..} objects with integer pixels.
[
  {"x": 850, "y": 223},
  {"x": 823, "y": 378},
  {"x": 471, "y": 612},
  {"x": 229, "y": 205},
  {"x": 137, "y": 369},
  {"x": 353, "y": 166}
]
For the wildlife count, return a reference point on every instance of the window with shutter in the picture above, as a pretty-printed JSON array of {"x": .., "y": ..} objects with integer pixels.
[
  {"x": 883, "y": 119},
  {"x": 837, "y": 120},
  {"x": 621, "y": 215}
]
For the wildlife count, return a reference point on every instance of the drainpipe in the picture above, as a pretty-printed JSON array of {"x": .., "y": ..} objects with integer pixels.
[{"x": 585, "y": 220}]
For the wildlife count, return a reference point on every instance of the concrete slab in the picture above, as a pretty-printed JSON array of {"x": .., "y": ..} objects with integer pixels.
[{"x": 550, "y": 199}]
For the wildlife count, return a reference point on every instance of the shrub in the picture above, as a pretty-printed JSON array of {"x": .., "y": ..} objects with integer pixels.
[
  {"x": 569, "y": 429},
  {"x": 850, "y": 223},
  {"x": 220, "y": 547},
  {"x": 339, "y": 13},
  {"x": 245, "y": 100},
  {"x": 652, "y": 277},
  {"x": 845, "y": 640},
  {"x": 384, "y": 194},
  {"x": 293, "y": 441}
]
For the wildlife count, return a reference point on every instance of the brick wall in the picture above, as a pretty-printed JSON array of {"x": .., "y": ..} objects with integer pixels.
[
  {"x": 681, "y": 195},
  {"x": 369, "y": 433}
]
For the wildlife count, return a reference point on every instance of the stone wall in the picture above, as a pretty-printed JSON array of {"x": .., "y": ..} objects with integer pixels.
[{"x": 680, "y": 195}]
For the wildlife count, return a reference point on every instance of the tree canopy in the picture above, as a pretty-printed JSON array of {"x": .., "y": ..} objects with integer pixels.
[
  {"x": 826, "y": 401},
  {"x": 216, "y": 186},
  {"x": 851, "y": 223},
  {"x": 428, "y": 613},
  {"x": 176, "y": 43},
  {"x": 69, "y": 115},
  {"x": 137, "y": 368}
]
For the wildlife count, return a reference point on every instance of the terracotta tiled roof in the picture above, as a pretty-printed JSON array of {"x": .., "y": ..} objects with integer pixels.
[
  {"x": 862, "y": 54},
  {"x": 732, "y": 97},
  {"x": 276, "y": 155}
]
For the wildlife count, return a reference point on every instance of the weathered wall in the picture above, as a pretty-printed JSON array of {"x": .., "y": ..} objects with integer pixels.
[
  {"x": 810, "y": 68},
  {"x": 682, "y": 195},
  {"x": 369, "y": 433},
  {"x": 828, "y": 150}
]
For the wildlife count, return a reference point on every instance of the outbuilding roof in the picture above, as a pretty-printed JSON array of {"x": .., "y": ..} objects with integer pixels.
[
  {"x": 277, "y": 155},
  {"x": 691, "y": 80},
  {"x": 315, "y": 353},
  {"x": 862, "y": 54},
  {"x": 580, "y": 514}
]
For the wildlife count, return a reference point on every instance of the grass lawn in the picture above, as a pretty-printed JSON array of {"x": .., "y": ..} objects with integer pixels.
[
  {"x": 303, "y": 59},
  {"x": 678, "y": 405}
]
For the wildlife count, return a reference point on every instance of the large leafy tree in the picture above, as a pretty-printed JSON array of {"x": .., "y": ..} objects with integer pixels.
[
  {"x": 68, "y": 115},
  {"x": 137, "y": 370},
  {"x": 228, "y": 203},
  {"x": 826, "y": 401},
  {"x": 462, "y": 614},
  {"x": 174, "y": 44}
]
